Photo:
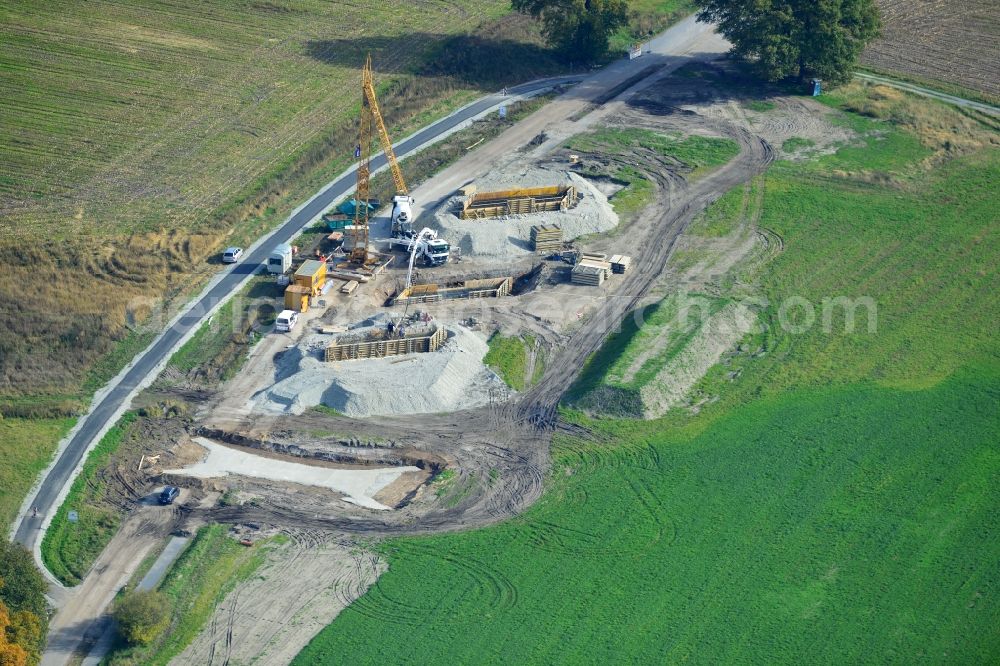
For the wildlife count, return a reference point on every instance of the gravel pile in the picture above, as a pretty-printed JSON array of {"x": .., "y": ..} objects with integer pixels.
[
  {"x": 450, "y": 379},
  {"x": 509, "y": 237}
]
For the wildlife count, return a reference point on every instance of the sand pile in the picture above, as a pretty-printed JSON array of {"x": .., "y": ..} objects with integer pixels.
[
  {"x": 509, "y": 237},
  {"x": 450, "y": 379}
]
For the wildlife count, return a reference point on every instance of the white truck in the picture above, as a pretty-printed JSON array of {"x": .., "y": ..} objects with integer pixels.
[
  {"x": 426, "y": 246},
  {"x": 280, "y": 260},
  {"x": 286, "y": 321},
  {"x": 402, "y": 216}
]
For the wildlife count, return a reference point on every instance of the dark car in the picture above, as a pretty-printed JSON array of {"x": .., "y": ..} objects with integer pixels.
[{"x": 169, "y": 494}]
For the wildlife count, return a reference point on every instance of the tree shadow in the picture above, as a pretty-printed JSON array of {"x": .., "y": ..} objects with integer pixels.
[
  {"x": 477, "y": 61},
  {"x": 705, "y": 82}
]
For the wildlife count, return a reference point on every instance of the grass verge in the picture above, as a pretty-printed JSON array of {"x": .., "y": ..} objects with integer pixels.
[
  {"x": 26, "y": 447},
  {"x": 725, "y": 214},
  {"x": 219, "y": 348},
  {"x": 697, "y": 156},
  {"x": 70, "y": 548}
]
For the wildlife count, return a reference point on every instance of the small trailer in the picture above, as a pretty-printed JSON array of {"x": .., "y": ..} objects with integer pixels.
[{"x": 280, "y": 260}]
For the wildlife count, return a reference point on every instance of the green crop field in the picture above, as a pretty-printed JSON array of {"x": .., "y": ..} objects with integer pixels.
[
  {"x": 836, "y": 504},
  {"x": 781, "y": 534}
]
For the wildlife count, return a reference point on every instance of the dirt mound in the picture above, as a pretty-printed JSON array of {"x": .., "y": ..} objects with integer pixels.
[
  {"x": 450, "y": 379},
  {"x": 303, "y": 584}
]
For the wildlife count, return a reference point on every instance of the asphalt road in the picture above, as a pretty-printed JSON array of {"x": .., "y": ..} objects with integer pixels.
[{"x": 29, "y": 528}]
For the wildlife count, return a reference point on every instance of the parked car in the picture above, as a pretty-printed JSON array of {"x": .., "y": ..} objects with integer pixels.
[
  {"x": 286, "y": 321},
  {"x": 169, "y": 494},
  {"x": 232, "y": 255}
]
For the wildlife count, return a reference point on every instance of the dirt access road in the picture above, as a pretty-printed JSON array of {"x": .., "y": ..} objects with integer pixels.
[{"x": 81, "y": 620}]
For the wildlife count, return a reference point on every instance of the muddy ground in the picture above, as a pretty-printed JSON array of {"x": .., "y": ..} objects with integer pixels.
[{"x": 497, "y": 454}]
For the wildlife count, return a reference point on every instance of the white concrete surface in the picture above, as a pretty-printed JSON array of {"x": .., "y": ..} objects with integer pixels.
[{"x": 358, "y": 485}]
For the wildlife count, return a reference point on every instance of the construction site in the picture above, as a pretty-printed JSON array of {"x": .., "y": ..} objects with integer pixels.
[
  {"x": 499, "y": 332},
  {"x": 342, "y": 420}
]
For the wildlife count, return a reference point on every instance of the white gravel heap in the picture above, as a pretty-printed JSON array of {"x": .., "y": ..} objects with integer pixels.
[
  {"x": 450, "y": 379},
  {"x": 509, "y": 237}
]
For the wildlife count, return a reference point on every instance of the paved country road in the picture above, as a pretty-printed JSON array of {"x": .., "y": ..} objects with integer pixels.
[{"x": 147, "y": 364}]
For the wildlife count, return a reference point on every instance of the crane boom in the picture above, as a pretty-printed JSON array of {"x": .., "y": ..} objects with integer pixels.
[
  {"x": 370, "y": 112},
  {"x": 368, "y": 86}
]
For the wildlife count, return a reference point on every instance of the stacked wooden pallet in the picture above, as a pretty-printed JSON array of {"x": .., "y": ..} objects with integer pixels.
[
  {"x": 620, "y": 263},
  {"x": 546, "y": 237},
  {"x": 590, "y": 271}
]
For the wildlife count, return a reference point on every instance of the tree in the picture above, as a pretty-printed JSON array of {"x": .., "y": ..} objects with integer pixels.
[
  {"x": 12, "y": 653},
  {"x": 141, "y": 616},
  {"x": 22, "y": 606},
  {"x": 796, "y": 38},
  {"x": 579, "y": 29},
  {"x": 23, "y": 585}
]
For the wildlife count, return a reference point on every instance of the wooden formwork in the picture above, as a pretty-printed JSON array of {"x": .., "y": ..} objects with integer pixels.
[
  {"x": 430, "y": 293},
  {"x": 590, "y": 272},
  {"x": 518, "y": 201},
  {"x": 386, "y": 347},
  {"x": 546, "y": 238}
]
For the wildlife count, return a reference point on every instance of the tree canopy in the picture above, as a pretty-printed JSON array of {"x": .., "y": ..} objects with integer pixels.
[
  {"x": 141, "y": 616},
  {"x": 796, "y": 38},
  {"x": 578, "y": 29},
  {"x": 23, "y": 617}
]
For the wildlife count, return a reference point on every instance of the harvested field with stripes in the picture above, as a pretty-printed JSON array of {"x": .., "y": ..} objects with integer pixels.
[{"x": 945, "y": 41}]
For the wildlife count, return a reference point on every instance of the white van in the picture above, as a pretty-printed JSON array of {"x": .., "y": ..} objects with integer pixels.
[{"x": 286, "y": 321}]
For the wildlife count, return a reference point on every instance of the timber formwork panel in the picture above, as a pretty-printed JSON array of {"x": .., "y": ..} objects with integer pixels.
[
  {"x": 546, "y": 238},
  {"x": 431, "y": 293},
  {"x": 521, "y": 201},
  {"x": 386, "y": 347}
]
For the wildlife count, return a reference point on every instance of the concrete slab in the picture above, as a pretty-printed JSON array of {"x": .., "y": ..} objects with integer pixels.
[{"x": 359, "y": 485}]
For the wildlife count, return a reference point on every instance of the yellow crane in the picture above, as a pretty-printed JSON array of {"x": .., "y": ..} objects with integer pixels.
[{"x": 369, "y": 113}]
